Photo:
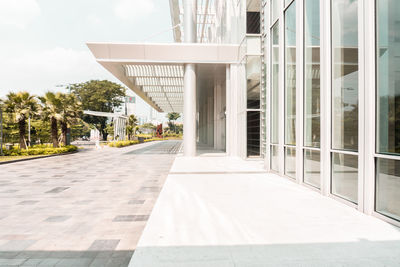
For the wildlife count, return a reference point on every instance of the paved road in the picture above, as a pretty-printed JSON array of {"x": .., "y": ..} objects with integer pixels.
[{"x": 85, "y": 209}]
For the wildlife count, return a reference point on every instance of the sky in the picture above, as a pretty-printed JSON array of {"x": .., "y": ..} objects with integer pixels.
[{"x": 43, "y": 42}]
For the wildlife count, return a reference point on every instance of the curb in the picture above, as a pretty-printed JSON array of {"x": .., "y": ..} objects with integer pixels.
[{"x": 40, "y": 157}]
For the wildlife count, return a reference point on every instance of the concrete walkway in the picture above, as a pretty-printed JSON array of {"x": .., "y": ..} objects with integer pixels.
[
  {"x": 84, "y": 209},
  {"x": 220, "y": 211}
]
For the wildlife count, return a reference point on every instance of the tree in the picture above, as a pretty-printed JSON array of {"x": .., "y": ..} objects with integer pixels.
[
  {"x": 172, "y": 117},
  {"x": 131, "y": 126},
  {"x": 71, "y": 111},
  {"x": 22, "y": 105},
  {"x": 98, "y": 95},
  {"x": 51, "y": 111}
]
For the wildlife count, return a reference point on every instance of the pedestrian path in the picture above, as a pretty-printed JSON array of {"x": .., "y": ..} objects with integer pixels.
[
  {"x": 83, "y": 209},
  {"x": 222, "y": 211}
]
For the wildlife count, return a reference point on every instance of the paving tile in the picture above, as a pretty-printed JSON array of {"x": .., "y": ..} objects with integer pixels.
[
  {"x": 28, "y": 202},
  {"x": 9, "y": 191},
  {"x": 49, "y": 262},
  {"x": 99, "y": 191},
  {"x": 57, "y": 190},
  {"x": 11, "y": 262},
  {"x": 52, "y": 217},
  {"x": 105, "y": 244},
  {"x": 136, "y": 201},
  {"x": 32, "y": 262},
  {"x": 77, "y": 262},
  {"x": 57, "y": 218},
  {"x": 16, "y": 245},
  {"x": 131, "y": 218},
  {"x": 150, "y": 189}
]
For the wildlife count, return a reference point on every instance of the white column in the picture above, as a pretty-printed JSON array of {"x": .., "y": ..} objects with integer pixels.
[{"x": 189, "y": 106}]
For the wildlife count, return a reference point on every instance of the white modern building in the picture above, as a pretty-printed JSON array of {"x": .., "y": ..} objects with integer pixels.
[{"x": 312, "y": 87}]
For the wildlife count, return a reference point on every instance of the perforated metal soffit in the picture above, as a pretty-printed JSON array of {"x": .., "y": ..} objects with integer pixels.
[{"x": 163, "y": 84}]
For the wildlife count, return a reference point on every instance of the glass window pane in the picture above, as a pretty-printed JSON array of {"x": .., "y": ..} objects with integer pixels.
[
  {"x": 345, "y": 176},
  {"x": 388, "y": 78},
  {"x": 275, "y": 84},
  {"x": 345, "y": 74},
  {"x": 388, "y": 187},
  {"x": 290, "y": 161},
  {"x": 312, "y": 167},
  {"x": 253, "y": 73},
  {"x": 275, "y": 8},
  {"x": 274, "y": 158},
  {"x": 290, "y": 75},
  {"x": 312, "y": 110},
  {"x": 253, "y": 133}
]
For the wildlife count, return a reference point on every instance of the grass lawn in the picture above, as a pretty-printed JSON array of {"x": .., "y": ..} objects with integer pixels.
[{"x": 10, "y": 158}]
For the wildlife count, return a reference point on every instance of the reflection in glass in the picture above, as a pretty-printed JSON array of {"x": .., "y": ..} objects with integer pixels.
[
  {"x": 290, "y": 75},
  {"x": 253, "y": 75},
  {"x": 312, "y": 111},
  {"x": 312, "y": 167},
  {"x": 274, "y": 158},
  {"x": 345, "y": 74},
  {"x": 388, "y": 187},
  {"x": 275, "y": 84},
  {"x": 345, "y": 176},
  {"x": 290, "y": 161},
  {"x": 388, "y": 76}
]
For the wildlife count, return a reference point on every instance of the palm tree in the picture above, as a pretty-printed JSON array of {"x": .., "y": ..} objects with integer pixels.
[
  {"x": 131, "y": 126},
  {"x": 173, "y": 116},
  {"x": 71, "y": 111},
  {"x": 22, "y": 105},
  {"x": 51, "y": 110}
]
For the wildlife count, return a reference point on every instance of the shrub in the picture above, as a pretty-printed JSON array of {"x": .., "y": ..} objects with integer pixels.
[
  {"x": 40, "y": 150},
  {"x": 122, "y": 143}
]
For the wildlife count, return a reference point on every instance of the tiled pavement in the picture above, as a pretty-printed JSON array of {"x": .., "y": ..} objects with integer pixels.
[{"x": 84, "y": 209}]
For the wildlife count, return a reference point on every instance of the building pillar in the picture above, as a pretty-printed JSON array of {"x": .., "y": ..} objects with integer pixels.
[{"x": 189, "y": 105}]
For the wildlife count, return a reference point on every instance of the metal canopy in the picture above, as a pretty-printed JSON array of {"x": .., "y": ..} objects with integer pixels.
[
  {"x": 163, "y": 84},
  {"x": 155, "y": 71}
]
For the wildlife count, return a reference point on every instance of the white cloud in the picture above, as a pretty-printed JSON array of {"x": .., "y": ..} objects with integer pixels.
[
  {"x": 133, "y": 9},
  {"x": 18, "y": 13}
]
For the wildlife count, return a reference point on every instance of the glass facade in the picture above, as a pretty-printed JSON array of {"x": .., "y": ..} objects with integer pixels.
[
  {"x": 276, "y": 6},
  {"x": 387, "y": 179},
  {"x": 388, "y": 187},
  {"x": 275, "y": 84},
  {"x": 344, "y": 96},
  {"x": 388, "y": 78},
  {"x": 290, "y": 161},
  {"x": 312, "y": 167},
  {"x": 290, "y": 75},
  {"x": 274, "y": 158},
  {"x": 345, "y": 176},
  {"x": 312, "y": 80},
  {"x": 345, "y": 74},
  {"x": 341, "y": 78}
]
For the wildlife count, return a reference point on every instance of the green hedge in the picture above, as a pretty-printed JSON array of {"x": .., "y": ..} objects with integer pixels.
[
  {"x": 122, "y": 143},
  {"x": 39, "y": 150}
]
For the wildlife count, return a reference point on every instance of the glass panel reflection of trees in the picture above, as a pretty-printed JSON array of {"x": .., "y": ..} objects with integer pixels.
[
  {"x": 388, "y": 108},
  {"x": 344, "y": 111},
  {"x": 388, "y": 77},
  {"x": 345, "y": 75}
]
